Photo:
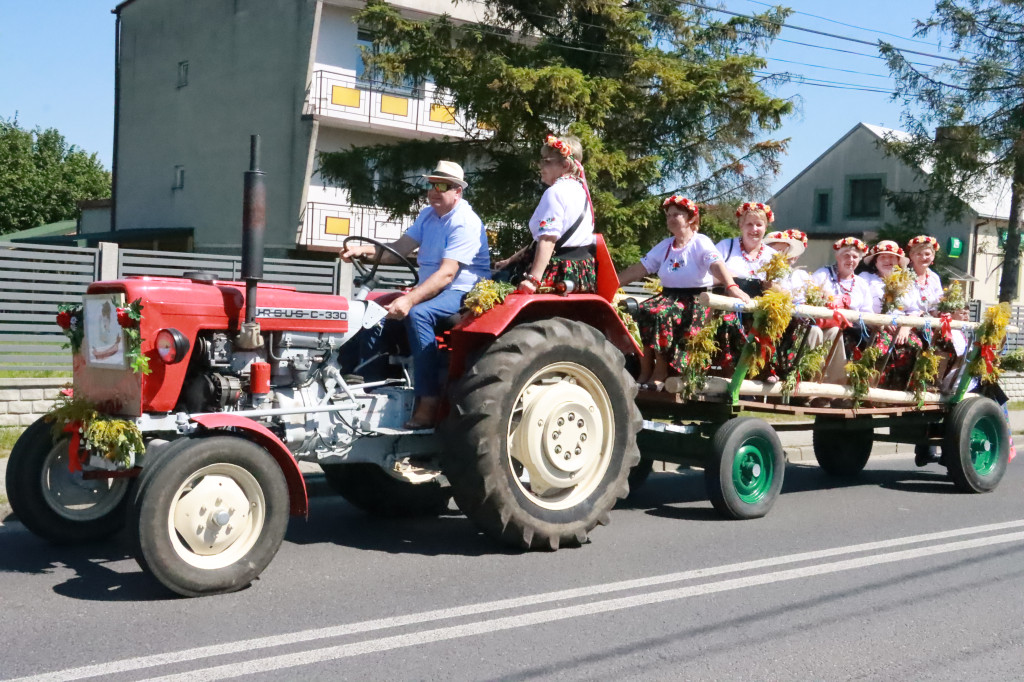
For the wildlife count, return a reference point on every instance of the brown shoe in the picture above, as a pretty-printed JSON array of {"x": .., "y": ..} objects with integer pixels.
[{"x": 424, "y": 415}]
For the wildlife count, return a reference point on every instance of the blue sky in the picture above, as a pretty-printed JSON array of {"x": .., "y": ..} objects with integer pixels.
[{"x": 59, "y": 69}]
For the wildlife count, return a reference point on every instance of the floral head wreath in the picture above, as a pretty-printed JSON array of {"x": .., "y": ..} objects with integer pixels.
[
  {"x": 558, "y": 145},
  {"x": 681, "y": 202},
  {"x": 797, "y": 234},
  {"x": 850, "y": 241},
  {"x": 923, "y": 240},
  {"x": 749, "y": 206}
]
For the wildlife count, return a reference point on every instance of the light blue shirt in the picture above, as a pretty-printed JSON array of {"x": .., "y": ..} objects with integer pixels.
[{"x": 458, "y": 235}]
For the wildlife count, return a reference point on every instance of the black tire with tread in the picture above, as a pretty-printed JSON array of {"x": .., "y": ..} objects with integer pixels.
[
  {"x": 639, "y": 474},
  {"x": 718, "y": 474},
  {"x": 476, "y": 462},
  {"x": 23, "y": 482},
  {"x": 369, "y": 488},
  {"x": 148, "y": 514},
  {"x": 956, "y": 446},
  {"x": 841, "y": 453}
]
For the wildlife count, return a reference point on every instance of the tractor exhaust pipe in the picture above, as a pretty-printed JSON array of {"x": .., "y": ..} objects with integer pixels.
[{"x": 254, "y": 225}]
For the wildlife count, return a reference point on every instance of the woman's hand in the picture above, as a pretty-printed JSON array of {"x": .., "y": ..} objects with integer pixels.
[
  {"x": 735, "y": 291},
  {"x": 902, "y": 335},
  {"x": 527, "y": 287}
]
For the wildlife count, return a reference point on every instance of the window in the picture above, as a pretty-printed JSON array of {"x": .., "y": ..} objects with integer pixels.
[
  {"x": 822, "y": 207},
  {"x": 373, "y": 79},
  {"x": 865, "y": 198},
  {"x": 179, "y": 178},
  {"x": 182, "y": 74}
]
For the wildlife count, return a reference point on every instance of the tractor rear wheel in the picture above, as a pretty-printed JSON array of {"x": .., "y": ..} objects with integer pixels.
[
  {"x": 543, "y": 434},
  {"x": 373, "y": 490},
  {"x": 54, "y": 503},
  {"x": 209, "y": 517}
]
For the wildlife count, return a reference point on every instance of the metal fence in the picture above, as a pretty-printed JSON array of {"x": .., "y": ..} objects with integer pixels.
[{"x": 35, "y": 279}]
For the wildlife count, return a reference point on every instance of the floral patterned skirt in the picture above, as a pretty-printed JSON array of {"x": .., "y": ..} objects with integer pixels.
[
  {"x": 582, "y": 271},
  {"x": 901, "y": 361},
  {"x": 666, "y": 321}
]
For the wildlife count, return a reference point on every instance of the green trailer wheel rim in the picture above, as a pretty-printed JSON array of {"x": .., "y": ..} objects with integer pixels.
[
  {"x": 753, "y": 470},
  {"x": 985, "y": 446}
]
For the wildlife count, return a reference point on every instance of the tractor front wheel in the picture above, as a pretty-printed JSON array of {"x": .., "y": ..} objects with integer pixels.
[
  {"x": 209, "y": 517},
  {"x": 543, "y": 434},
  {"x": 54, "y": 503}
]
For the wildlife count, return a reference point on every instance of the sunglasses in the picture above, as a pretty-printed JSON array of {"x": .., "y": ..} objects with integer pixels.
[{"x": 441, "y": 186}]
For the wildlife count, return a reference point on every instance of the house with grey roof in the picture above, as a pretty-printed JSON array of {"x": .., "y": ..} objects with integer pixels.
[{"x": 841, "y": 194}]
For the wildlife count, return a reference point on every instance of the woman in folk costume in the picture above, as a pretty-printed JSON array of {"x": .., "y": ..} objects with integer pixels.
[
  {"x": 926, "y": 287},
  {"x": 744, "y": 256},
  {"x": 849, "y": 291},
  {"x": 902, "y": 343},
  {"x": 747, "y": 254},
  {"x": 801, "y": 332},
  {"x": 685, "y": 263},
  {"x": 562, "y": 224}
]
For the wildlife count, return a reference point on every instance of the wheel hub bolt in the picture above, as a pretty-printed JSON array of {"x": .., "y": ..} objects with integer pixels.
[
  {"x": 202, "y": 511},
  {"x": 561, "y": 422},
  {"x": 572, "y": 416},
  {"x": 580, "y": 423},
  {"x": 558, "y": 448},
  {"x": 555, "y": 435},
  {"x": 583, "y": 437},
  {"x": 578, "y": 450},
  {"x": 568, "y": 456}
]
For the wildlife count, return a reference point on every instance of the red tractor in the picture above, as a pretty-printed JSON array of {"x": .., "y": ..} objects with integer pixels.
[{"x": 245, "y": 382}]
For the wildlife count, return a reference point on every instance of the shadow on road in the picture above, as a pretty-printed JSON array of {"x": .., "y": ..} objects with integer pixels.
[
  {"x": 681, "y": 495},
  {"x": 102, "y": 571}
]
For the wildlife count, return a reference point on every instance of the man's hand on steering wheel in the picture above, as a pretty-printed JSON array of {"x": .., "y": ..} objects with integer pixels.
[{"x": 377, "y": 250}]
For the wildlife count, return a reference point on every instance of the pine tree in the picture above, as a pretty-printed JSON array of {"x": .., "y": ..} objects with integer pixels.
[
  {"x": 664, "y": 96},
  {"x": 966, "y": 118}
]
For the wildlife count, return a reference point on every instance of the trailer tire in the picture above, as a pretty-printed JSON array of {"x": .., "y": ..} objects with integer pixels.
[
  {"x": 185, "y": 508},
  {"x": 976, "y": 445},
  {"x": 508, "y": 474},
  {"x": 841, "y": 453},
  {"x": 744, "y": 475},
  {"x": 371, "y": 489},
  {"x": 55, "y": 504}
]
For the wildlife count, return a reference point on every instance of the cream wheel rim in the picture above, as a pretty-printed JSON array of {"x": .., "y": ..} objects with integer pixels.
[
  {"x": 560, "y": 436},
  {"x": 216, "y": 516}
]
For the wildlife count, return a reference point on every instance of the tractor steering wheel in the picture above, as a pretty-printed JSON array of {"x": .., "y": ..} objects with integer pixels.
[{"x": 368, "y": 275}]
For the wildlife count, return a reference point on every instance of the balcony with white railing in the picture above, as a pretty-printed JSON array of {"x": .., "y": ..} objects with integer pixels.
[
  {"x": 326, "y": 225},
  {"x": 343, "y": 99}
]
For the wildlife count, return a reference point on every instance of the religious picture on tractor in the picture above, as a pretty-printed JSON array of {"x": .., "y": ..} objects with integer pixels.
[{"x": 104, "y": 342}]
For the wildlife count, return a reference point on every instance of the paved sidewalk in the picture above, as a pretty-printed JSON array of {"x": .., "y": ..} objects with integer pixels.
[{"x": 797, "y": 444}]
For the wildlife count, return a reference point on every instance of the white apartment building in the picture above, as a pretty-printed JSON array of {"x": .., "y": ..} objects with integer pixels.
[{"x": 195, "y": 78}]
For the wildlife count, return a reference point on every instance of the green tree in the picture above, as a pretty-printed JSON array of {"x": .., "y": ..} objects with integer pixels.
[
  {"x": 966, "y": 118},
  {"x": 42, "y": 177},
  {"x": 665, "y": 98}
]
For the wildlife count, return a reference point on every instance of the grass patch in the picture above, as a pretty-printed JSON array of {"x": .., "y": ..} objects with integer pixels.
[
  {"x": 8, "y": 436},
  {"x": 34, "y": 374}
]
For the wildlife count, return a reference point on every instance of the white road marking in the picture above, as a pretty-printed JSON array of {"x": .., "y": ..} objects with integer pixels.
[
  {"x": 250, "y": 645},
  {"x": 263, "y": 665}
]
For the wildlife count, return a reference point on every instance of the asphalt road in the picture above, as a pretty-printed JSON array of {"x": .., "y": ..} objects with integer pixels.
[{"x": 893, "y": 577}]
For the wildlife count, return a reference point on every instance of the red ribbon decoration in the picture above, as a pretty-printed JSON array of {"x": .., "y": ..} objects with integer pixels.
[
  {"x": 839, "y": 318},
  {"x": 75, "y": 455},
  {"x": 765, "y": 344},
  {"x": 947, "y": 329},
  {"x": 988, "y": 353}
]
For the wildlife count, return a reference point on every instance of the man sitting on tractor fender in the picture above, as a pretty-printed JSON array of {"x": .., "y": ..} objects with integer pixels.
[{"x": 453, "y": 255}]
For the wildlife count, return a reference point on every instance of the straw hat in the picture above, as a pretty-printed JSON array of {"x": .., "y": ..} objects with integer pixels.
[
  {"x": 796, "y": 239},
  {"x": 448, "y": 171},
  {"x": 887, "y": 246}
]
